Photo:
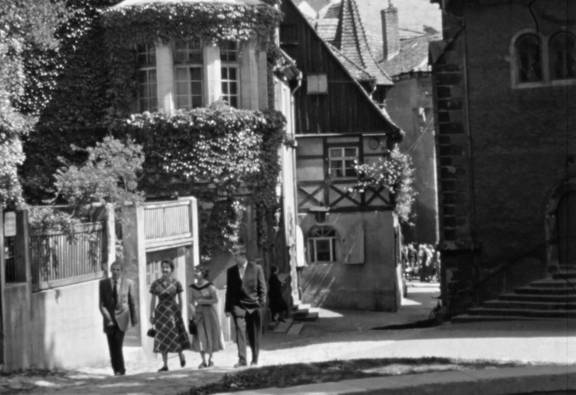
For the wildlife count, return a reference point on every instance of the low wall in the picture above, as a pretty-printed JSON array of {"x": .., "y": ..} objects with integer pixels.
[
  {"x": 67, "y": 327},
  {"x": 17, "y": 352}
]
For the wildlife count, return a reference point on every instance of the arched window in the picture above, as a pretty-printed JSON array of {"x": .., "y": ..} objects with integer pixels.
[
  {"x": 322, "y": 244},
  {"x": 528, "y": 54},
  {"x": 147, "y": 96},
  {"x": 562, "y": 52}
]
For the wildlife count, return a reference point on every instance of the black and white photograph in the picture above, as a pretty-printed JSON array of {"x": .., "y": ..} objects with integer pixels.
[{"x": 263, "y": 197}]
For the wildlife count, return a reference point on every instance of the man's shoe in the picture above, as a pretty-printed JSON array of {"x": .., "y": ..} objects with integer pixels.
[
  {"x": 163, "y": 369},
  {"x": 240, "y": 364},
  {"x": 253, "y": 363}
]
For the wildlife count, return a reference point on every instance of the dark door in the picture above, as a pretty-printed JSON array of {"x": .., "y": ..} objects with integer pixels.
[{"x": 566, "y": 220}]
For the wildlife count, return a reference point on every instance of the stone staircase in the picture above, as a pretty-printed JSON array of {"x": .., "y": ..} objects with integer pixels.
[
  {"x": 551, "y": 298},
  {"x": 295, "y": 323}
]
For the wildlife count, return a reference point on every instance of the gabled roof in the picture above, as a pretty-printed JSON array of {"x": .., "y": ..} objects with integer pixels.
[
  {"x": 414, "y": 35},
  {"x": 350, "y": 39},
  {"x": 412, "y": 57},
  {"x": 349, "y": 69}
]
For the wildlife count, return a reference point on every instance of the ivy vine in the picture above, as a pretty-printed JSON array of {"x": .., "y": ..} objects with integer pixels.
[{"x": 215, "y": 154}]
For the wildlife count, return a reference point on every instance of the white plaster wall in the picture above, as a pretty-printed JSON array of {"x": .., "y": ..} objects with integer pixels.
[{"x": 66, "y": 327}]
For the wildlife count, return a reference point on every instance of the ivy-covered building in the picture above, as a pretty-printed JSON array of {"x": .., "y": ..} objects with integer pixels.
[{"x": 204, "y": 89}]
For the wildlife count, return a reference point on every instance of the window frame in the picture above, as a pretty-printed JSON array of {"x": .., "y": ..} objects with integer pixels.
[
  {"x": 227, "y": 65},
  {"x": 187, "y": 66},
  {"x": 325, "y": 233},
  {"x": 150, "y": 80},
  {"x": 342, "y": 159},
  {"x": 567, "y": 53},
  {"x": 547, "y": 80}
]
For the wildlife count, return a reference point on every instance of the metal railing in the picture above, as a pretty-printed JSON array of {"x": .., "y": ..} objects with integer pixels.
[{"x": 60, "y": 259}]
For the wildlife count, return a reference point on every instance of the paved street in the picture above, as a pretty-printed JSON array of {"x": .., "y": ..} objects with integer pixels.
[{"x": 335, "y": 335}]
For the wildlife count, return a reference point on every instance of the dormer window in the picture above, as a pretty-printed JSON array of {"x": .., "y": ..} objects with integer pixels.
[
  {"x": 562, "y": 48},
  {"x": 146, "y": 75},
  {"x": 188, "y": 74},
  {"x": 229, "y": 63}
]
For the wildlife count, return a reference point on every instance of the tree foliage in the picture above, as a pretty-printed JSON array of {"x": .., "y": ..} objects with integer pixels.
[{"x": 109, "y": 175}]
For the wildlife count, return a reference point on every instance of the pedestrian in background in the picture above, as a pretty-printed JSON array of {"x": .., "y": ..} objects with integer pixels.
[
  {"x": 116, "y": 303},
  {"x": 277, "y": 304},
  {"x": 166, "y": 316},
  {"x": 204, "y": 299},
  {"x": 245, "y": 298}
]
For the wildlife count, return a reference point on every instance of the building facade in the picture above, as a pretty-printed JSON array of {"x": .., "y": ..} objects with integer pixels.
[
  {"x": 351, "y": 238},
  {"x": 504, "y": 80}
]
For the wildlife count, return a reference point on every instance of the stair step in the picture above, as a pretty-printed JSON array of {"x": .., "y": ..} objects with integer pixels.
[
  {"x": 553, "y": 283},
  {"x": 283, "y": 327},
  {"x": 296, "y": 328},
  {"x": 305, "y": 315},
  {"x": 561, "y": 313},
  {"x": 530, "y": 305},
  {"x": 486, "y": 317},
  {"x": 548, "y": 298},
  {"x": 536, "y": 290}
]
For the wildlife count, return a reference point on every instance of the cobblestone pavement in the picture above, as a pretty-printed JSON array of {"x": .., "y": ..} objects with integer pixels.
[{"x": 335, "y": 335}]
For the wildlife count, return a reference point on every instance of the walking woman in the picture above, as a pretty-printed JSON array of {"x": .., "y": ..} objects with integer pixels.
[
  {"x": 166, "y": 316},
  {"x": 204, "y": 299}
]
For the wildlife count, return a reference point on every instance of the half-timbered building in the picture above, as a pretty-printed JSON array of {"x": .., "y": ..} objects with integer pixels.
[{"x": 351, "y": 238}]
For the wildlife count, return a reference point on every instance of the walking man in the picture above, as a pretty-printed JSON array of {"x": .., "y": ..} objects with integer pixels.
[
  {"x": 245, "y": 298},
  {"x": 118, "y": 309}
]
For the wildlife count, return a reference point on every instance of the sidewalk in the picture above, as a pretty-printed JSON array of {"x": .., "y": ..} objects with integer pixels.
[{"x": 348, "y": 335}]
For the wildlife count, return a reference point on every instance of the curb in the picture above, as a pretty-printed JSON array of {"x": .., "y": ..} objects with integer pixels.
[{"x": 496, "y": 381}]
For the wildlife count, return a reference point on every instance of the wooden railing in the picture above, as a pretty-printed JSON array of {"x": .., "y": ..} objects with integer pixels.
[
  {"x": 168, "y": 224},
  {"x": 58, "y": 259}
]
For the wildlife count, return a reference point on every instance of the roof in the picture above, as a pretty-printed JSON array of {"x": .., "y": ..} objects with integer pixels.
[
  {"x": 350, "y": 39},
  {"x": 419, "y": 23},
  {"x": 131, "y": 3},
  {"x": 412, "y": 57}
]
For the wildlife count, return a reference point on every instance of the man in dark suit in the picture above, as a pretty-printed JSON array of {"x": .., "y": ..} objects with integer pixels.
[
  {"x": 118, "y": 308},
  {"x": 245, "y": 298}
]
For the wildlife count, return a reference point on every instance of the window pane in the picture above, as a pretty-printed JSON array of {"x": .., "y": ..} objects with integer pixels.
[
  {"x": 529, "y": 62},
  {"x": 323, "y": 250},
  {"x": 563, "y": 56},
  {"x": 350, "y": 152},
  {"x": 335, "y": 153}
]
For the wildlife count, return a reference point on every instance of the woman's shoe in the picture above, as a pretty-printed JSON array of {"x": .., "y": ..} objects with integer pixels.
[
  {"x": 163, "y": 369},
  {"x": 182, "y": 362},
  {"x": 210, "y": 364},
  {"x": 202, "y": 365}
]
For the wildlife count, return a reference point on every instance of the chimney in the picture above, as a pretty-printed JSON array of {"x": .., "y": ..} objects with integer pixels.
[{"x": 390, "y": 35}]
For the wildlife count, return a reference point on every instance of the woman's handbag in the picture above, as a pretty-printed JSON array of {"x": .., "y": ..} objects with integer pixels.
[{"x": 192, "y": 328}]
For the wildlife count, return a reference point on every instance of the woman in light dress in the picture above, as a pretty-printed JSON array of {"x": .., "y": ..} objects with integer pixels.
[{"x": 204, "y": 300}]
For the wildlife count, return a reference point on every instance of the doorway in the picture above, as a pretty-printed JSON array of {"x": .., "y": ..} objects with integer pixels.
[{"x": 566, "y": 228}]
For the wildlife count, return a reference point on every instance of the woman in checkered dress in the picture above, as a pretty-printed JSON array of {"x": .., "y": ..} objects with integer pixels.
[{"x": 166, "y": 316}]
